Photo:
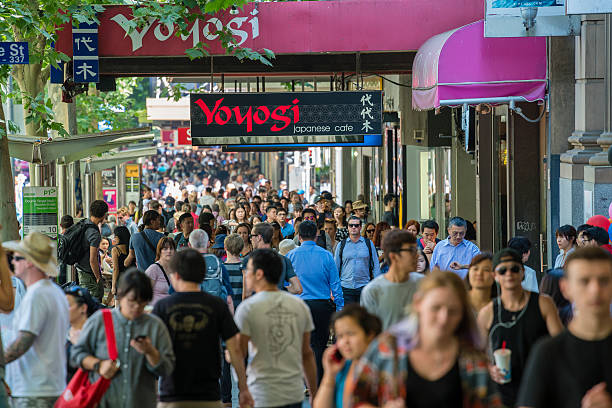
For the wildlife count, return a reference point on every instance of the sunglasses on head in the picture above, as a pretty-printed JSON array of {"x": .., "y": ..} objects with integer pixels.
[{"x": 513, "y": 269}]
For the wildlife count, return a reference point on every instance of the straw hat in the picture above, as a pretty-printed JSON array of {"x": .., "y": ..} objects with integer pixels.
[
  {"x": 38, "y": 249},
  {"x": 359, "y": 205}
]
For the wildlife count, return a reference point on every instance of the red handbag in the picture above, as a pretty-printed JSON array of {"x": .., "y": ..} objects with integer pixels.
[{"x": 80, "y": 392}]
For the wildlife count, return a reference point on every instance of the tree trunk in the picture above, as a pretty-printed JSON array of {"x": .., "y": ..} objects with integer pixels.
[{"x": 8, "y": 214}]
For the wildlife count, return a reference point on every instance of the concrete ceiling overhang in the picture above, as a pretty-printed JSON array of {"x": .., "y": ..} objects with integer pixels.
[
  {"x": 35, "y": 150},
  {"x": 109, "y": 160}
]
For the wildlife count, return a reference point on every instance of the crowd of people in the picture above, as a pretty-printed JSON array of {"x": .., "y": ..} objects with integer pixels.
[{"x": 219, "y": 281}]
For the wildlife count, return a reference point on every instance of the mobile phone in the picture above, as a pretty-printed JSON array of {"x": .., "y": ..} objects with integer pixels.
[
  {"x": 337, "y": 356},
  {"x": 139, "y": 338}
]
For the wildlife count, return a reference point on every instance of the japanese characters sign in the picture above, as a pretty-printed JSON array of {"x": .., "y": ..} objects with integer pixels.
[
  {"x": 14, "y": 53},
  {"x": 296, "y": 115},
  {"x": 40, "y": 210},
  {"x": 85, "y": 53}
]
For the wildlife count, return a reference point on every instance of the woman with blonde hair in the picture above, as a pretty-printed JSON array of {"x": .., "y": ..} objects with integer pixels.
[{"x": 433, "y": 358}]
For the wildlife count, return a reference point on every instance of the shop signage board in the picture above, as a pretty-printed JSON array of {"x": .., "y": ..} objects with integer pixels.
[
  {"x": 588, "y": 6},
  {"x": 110, "y": 197},
  {"x": 284, "y": 117},
  {"x": 12, "y": 53},
  {"x": 132, "y": 182},
  {"x": 167, "y": 136},
  {"x": 330, "y": 26},
  {"x": 40, "y": 211},
  {"x": 183, "y": 137},
  {"x": 85, "y": 53}
]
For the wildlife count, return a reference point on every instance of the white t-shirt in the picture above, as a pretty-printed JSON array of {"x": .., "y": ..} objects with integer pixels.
[
  {"x": 276, "y": 322},
  {"x": 41, "y": 371}
]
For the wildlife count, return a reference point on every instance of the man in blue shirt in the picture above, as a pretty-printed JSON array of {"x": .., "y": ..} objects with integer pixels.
[
  {"x": 357, "y": 264},
  {"x": 286, "y": 228},
  {"x": 319, "y": 277},
  {"x": 454, "y": 253}
]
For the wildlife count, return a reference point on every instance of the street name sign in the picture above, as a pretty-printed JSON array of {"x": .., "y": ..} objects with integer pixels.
[
  {"x": 86, "y": 67},
  {"x": 284, "y": 117},
  {"x": 14, "y": 53}
]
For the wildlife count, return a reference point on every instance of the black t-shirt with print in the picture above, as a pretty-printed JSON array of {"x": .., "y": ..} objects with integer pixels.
[
  {"x": 561, "y": 369},
  {"x": 197, "y": 323}
]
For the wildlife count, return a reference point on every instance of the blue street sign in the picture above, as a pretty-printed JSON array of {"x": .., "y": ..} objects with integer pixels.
[
  {"x": 86, "y": 70},
  {"x": 14, "y": 53},
  {"x": 84, "y": 45}
]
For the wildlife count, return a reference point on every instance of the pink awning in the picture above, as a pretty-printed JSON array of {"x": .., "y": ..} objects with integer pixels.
[{"x": 462, "y": 64}]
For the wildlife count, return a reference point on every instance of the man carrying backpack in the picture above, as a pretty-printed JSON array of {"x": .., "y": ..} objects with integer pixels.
[
  {"x": 216, "y": 281},
  {"x": 356, "y": 261},
  {"x": 84, "y": 240}
]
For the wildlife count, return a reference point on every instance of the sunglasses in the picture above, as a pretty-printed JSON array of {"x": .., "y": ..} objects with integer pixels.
[
  {"x": 370, "y": 231},
  {"x": 18, "y": 258},
  {"x": 514, "y": 269},
  {"x": 354, "y": 225}
]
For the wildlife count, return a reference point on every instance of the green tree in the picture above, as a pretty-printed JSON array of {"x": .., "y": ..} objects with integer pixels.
[{"x": 38, "y": 22}]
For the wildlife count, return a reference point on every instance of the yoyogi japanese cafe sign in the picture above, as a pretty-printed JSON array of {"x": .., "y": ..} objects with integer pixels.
[{"x": 284, "y": 114}]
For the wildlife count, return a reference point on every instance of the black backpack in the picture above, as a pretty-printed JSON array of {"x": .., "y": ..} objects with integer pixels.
[
  {"x": 371, "y": 265},
  {"x": 70, "y": 246}
]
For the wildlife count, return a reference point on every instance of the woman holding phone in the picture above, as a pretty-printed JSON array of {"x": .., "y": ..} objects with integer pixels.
[{"x": 355, "y": 328}]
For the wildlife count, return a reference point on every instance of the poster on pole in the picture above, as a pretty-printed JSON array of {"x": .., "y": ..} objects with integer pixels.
[
  {"x": 109, "y": 177},
  {"x": 110, "y": 197},
  {"x": 132, "y": 183},
  {"x": 40, "y": 211},
  {"x": 527, "y": 3}
]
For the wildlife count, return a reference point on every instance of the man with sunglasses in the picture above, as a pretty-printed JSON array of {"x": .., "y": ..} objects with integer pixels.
[
  {"x": 261, "y": 238},
  {"x": 388, "y": 295},
  {"x": 579, "y": 374},
  {"x": 357, "y": 262},
  {"x": 515, "y": 320},
  {"x": 454, "y": 253}
]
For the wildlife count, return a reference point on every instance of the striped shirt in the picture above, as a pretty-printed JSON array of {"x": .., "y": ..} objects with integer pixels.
[{"x": 235, "y": 275}]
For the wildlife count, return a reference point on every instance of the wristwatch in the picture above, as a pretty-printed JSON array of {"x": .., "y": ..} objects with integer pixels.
[{"x": 96, "y": 367}]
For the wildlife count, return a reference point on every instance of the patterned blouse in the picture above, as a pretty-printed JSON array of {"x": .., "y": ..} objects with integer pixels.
[{"x": 380, "y": 375}]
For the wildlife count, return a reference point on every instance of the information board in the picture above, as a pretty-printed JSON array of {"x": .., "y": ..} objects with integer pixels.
[
  {"x": 132, "y": 183},
  {"x": 40, "y": 211},
  {"x": 12, "y": 53}
]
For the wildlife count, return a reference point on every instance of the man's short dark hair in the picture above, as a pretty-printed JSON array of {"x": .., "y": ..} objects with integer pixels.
[
  {"x": 209, "y": 189},
  {"x": 270, "y": 207},
  {"x": 266, "y": 231},
  {"x": 393, "y": 241},
  {"x": 98, "y": 208},
  {"x": 309, "y": 211},
  {"x": 183, "y": 217},
  {"x": 150, "y": 216},
  {"x": 205, "y": 218},
  {"x": 354, "y": 218},
  {"x": 388, "y": 198},
  {"x": 430, "y": 224},
  {"x": 522, "y": 245},
  {"x": 67, "y": 221},
  {"x": 189, "y": 264},
  {"x": 135, "y": 281},
  {"x": 599, "y": 234},
  {"x": 588, "y": 253},
  {"x": 308, "y": 230},
  {"x": 154, "y": 205},
  {"x": 581, "y": 228},
  {"x": 281, "y": 210},
  {"x": 269, "y": 262},
  {"x": 567, "y": 231}
]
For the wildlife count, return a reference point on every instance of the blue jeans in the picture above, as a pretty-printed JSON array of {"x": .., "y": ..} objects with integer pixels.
[{"x": 351, "y": 295}]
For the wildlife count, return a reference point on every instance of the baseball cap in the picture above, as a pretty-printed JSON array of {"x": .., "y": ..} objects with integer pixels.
[
  {"x": 505, "y": 255},
  {"x": 170, "y": 200}
]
